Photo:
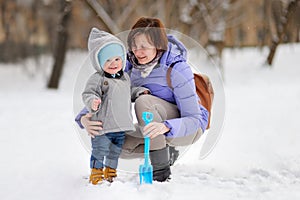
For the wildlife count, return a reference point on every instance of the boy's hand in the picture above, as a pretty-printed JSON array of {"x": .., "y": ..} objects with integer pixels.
[{"x": 95, "y": 104}]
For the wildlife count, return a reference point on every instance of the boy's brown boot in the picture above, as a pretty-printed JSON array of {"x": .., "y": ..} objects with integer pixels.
[
  {"x": 109, "y": 174},
  {"x": 96, "y": 176}
]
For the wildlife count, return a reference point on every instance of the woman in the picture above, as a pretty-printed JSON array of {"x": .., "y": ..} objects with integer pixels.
[{"x": 178, "y": 118}]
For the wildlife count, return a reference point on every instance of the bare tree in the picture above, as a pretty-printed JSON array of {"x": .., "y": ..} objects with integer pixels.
[
  {"x": 215, "y": 18},
  {"x": 284, "y": 20},
  {"x": 61, "y": 43},
  {"x": 7, "y": 20}
]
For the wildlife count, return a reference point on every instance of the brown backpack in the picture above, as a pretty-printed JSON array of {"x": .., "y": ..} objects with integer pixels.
[{"x": 204, "y": 90}]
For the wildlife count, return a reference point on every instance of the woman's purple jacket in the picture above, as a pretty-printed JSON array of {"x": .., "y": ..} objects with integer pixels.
[{"x": 192, "y": 115}]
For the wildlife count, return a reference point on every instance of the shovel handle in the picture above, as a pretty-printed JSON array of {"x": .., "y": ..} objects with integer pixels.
[{"x": 146, "y": 150}]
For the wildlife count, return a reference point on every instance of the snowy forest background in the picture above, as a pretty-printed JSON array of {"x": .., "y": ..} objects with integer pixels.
[
  {"x": 35, "y": 27},
  {"x": 43, "y": 49}
]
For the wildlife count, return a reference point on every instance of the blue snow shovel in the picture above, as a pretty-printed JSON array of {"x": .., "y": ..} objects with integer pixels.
[{"x": 145, "y": 170}]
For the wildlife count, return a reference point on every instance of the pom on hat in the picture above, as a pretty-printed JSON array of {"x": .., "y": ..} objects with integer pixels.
[{"x": 109, "y": 51}]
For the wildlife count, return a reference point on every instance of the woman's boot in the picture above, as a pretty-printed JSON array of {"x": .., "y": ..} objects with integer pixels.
[
  {"x": 173, "y": 155},
  {"x": 161, "y": 165}
]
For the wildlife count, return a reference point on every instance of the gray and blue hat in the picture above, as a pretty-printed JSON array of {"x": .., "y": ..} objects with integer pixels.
[{"x": 109, "y": 51}]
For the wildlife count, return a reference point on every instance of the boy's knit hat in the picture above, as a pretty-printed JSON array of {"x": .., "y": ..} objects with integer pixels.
[{"x": 109, "y": 51}]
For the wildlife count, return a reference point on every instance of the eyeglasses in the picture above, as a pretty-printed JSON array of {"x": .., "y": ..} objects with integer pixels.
[{"x": 143, "y": 48}]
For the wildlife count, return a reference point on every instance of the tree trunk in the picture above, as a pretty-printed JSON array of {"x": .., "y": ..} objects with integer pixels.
[
  {"x": 275, "y": 42},
  {"x": 61, "y": 44}
]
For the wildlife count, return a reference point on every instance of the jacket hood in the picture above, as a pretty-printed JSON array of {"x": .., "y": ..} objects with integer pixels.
[
  {"x": 176, "y": 51},
  {"x": 98, "y": 40}
]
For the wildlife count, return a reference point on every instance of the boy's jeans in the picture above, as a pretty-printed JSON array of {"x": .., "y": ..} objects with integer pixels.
[{"x": 106, "y": 150}]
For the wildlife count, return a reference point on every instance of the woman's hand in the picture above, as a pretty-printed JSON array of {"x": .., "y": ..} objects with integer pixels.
[
  {"x": 154, "y": 129},
  {"x": 92, "y": 127}
]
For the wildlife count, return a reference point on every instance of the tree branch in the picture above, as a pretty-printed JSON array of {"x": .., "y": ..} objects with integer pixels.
[{"x": 104, "y": 16}]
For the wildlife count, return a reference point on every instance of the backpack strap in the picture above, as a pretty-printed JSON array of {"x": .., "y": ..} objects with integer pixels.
[{"x": 169, "y": 74}]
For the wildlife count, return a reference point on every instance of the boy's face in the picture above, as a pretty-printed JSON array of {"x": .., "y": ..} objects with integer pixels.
[{"x": 113, "y": 65}]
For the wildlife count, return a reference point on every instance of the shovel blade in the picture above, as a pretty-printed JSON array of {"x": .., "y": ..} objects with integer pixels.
[{"x": 146, "y": 174}]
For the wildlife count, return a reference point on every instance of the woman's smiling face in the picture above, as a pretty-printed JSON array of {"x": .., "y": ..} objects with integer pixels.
[{"x": 143, "y": 50}]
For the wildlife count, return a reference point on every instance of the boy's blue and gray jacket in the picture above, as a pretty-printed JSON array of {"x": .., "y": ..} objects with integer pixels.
[
  {"x": 115, "y": 108},
  {"x": 192, "y": 115}
]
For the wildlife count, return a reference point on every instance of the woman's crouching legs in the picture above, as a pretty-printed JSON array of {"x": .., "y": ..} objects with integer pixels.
[{"x": 159, "y": 150}]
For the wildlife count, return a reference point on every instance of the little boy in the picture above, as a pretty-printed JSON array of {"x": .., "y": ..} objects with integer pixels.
[{"x": 107, "y": 95}]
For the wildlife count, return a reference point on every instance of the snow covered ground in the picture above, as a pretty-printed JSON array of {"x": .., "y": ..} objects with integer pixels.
[{"x": 257, "y": 157}]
